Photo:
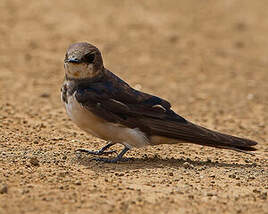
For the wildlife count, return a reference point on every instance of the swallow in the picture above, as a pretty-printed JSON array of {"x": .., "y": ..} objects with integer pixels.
[{"x": 105, "y": 106}]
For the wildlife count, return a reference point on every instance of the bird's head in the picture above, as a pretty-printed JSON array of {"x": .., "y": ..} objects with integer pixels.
[{"x": 82, "y": 61}]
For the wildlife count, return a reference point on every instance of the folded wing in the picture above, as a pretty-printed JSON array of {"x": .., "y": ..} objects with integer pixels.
[{"x": 152, "y": 115}]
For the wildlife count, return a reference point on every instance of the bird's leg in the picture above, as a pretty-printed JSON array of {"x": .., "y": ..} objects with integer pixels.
[
  {"x": 99, "y": 152},
  {"x": 114, "y": 160}
]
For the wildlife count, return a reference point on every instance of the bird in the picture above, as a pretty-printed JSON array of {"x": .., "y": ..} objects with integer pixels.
[{"x": 105, "y": 106}]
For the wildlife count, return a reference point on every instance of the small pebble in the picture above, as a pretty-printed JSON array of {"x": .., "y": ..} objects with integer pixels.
[
  {"x": 211, "y": 194},
  {"x": 44, "y": 95},
  {"x": 232, "y": 176},
  {"x": 263, "y": 196},
  {"x": 171, "y": 174},
  {"x": 78, "y": 182},
  {"x": 187, "y": 165},
  {"x": 35, "y": 142},
  {"x": 191, "y": 196},
  {"x": 3, "y": 189},
  {"x": 251, "y": 177},
  {"x": 34, "y": 161},
  {"x": 119, "y": 174}
]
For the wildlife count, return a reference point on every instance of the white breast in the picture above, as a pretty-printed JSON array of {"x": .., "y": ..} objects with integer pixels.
[{"x": 103, "y": 129}]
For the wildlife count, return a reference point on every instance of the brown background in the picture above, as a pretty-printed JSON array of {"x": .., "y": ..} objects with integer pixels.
[{"x": 208, "y": 58}]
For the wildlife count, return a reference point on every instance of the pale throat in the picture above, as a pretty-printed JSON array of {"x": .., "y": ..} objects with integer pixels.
[{"x": 79, "y": 71}]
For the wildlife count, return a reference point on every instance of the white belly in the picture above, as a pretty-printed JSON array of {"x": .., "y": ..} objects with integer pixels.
[{"x": 103, "y": 129}]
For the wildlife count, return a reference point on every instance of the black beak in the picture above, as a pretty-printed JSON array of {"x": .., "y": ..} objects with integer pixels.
[{"x": 73, "y": 60}]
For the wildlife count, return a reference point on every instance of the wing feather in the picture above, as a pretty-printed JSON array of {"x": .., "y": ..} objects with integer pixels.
[{"x": 152, "y": 115}]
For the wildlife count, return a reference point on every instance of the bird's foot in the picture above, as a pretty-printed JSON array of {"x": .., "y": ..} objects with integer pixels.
[
  {"x": 102, "y": 151},
  {"x": 116, "y": 159}
]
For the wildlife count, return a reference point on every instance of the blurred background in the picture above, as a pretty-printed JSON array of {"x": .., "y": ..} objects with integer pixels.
[
  {"x": 208, "y": 58},
  {"x": 182, "y": 50}
]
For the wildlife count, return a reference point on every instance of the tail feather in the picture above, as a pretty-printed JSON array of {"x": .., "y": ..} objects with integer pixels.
[{"x": 192, "y": 133}]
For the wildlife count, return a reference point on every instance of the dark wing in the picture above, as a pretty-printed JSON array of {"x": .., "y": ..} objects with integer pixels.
[
  {"x": 152, "y": 115},
  {"x": 124, "y": 105}
]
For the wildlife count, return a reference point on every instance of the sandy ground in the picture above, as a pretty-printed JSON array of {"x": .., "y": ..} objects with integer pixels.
[{"x": 208, "y": 58}]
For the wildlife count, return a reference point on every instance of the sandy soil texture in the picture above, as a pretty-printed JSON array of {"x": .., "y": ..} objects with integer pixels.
[{"x": 208, "y": 58}]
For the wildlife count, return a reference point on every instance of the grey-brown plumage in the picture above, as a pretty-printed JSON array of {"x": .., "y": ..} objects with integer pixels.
[{"x": 104, "y": 105}]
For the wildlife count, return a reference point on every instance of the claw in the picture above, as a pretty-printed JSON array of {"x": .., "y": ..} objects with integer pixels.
[
  {"x": 102, "y": 152},
  {"x": 99, "y": 152},
  {"x": 116, "y": 159}
]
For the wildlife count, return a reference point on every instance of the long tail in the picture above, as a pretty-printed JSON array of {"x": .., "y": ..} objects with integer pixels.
[{"x": 192, "y": 133}]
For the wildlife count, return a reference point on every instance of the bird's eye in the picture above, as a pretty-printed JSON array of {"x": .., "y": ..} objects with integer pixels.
[{"x": 89, "y": 58}]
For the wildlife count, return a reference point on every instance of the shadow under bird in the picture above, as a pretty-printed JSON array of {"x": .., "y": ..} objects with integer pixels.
[{"x": 105, "y": 106}]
